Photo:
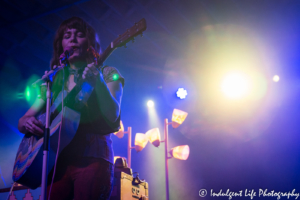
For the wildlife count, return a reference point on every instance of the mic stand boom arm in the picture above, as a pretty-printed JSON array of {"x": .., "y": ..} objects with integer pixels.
[{"x": 48, "y": 76}]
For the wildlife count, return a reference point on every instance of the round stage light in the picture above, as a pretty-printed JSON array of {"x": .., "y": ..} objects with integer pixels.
[
  {"x": 276, "y": 78},
  {"x": 181, "y": 93},
  {"x": 150, "y": 104},
  {"x": 235, "y": 85}
]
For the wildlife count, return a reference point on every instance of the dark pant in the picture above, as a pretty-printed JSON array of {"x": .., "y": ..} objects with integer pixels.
[{"x": 81, "y": 178}]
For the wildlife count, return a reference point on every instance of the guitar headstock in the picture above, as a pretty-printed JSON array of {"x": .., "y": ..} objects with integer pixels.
[{"x": 137, "y": 29}]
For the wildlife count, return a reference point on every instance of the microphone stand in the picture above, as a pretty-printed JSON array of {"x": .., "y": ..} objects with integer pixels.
[
  {"x": 47, "y": 77},
  {"x": 46, "y": 143}
]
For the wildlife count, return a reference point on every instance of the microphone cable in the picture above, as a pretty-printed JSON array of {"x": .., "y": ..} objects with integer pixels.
[{"x": 10, "y": 191}]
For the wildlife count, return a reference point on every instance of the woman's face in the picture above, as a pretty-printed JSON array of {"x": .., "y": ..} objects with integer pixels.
[{"x": 78, "y": 41}]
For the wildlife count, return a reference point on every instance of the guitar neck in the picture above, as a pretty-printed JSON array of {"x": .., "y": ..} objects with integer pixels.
[
  {"x": 105, "y": 55},
  {"x": 127, "y": 36}
]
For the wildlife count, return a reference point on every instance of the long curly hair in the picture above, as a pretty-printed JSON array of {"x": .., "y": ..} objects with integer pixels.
[{"x": 92, "y": 38}]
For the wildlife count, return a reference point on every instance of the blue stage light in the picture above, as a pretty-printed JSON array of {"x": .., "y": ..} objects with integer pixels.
[{"x": 181, "y": 93}]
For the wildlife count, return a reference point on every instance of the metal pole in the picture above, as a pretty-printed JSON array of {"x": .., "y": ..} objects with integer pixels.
[
  {"x": 129, "y": 147},
  {"x": 46, "y": 145},
  {"x": 166, "y": 157}
]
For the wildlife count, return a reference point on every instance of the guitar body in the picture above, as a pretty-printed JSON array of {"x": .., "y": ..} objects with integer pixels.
[{"x": 29, "y": 160}]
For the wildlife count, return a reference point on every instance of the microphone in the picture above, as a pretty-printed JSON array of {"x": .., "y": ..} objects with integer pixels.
[
  {"x": 65, "y": 55},
  {"x": 63, "y": 60}
]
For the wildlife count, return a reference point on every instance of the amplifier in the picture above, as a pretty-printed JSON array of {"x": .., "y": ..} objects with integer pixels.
[{"x": 127, "y": 187}]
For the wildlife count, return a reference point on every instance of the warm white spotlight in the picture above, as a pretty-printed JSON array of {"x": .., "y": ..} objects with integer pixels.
[
  {"x": 181, "y": 93},
  {"x": 150, "y": 104},
  {"x": 276, "y": 78},
  {"x": 235, "y": 85}
]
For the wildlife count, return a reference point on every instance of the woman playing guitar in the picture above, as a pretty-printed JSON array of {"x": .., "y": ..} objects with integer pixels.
[{"x": 85, "y": 167}]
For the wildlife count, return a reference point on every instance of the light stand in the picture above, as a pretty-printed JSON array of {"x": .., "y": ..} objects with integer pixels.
[
  {"x": 178, "y": 117},
  {"x": 166, "y": 156},
  {"x": 179, "y": 152},
  {"x": 140, "y": 142},
  {"x": 129, "y": 147}
]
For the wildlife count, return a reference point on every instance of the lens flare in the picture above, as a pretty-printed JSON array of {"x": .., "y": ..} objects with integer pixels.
[
  {"x": 235, "y": 85},
  {"x": 27, "y": 93},
  {"x": 115, "y": 77}
]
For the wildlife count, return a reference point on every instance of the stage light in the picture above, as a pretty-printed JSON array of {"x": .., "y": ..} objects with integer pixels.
[
  {"x": 235, "y": 85},
  {"x": 140, "y": 141},
  {"x": 150, "y": 104},
  {"x": 178, "y": 117},
  {"x": 180, "y": 152},
  {"x": 181, "y": 93},
  {"x": 154, "y": 136},
  {"x": 276, "y": 78},
  {"x": 120, "y": 132}
]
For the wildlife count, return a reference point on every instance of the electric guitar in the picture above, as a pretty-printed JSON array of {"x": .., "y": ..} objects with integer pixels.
[{"x": 28, "y": 163}]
